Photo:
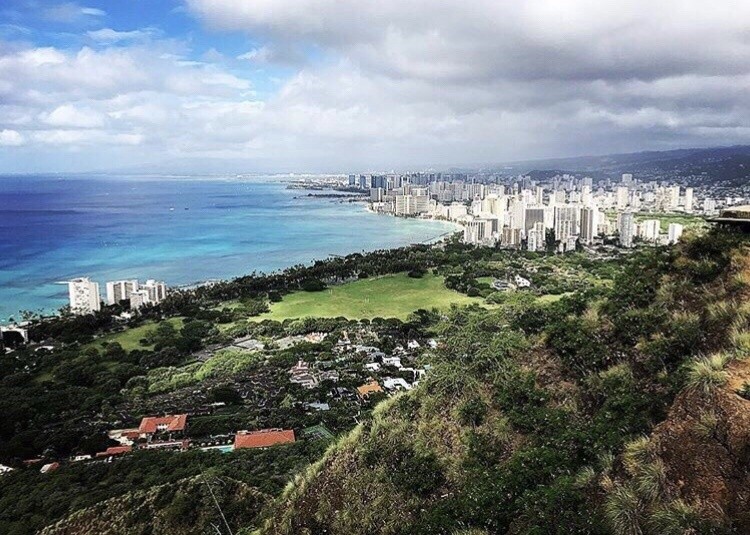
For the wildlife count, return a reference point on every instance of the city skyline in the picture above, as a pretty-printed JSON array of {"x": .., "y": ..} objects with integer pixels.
[{"x": 222, "y": 85}]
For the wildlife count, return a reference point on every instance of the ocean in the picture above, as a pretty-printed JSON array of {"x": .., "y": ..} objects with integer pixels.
[{"x": 180, "y": 230}]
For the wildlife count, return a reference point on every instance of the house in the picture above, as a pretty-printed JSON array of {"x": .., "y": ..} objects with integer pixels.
[
  {"x": 315, "y": 338},
  {"x": 341, "y": 393},
  {"x": 413, "y": 344},
  {"x": 265, "y": 438},
  {"x": 521, "y": 282},
  {"x": 302, "y": 374},
  {"x": 5, "y": 469},
  {"x": 392, "y": 361},
  {"x": 51, "y": 467},
  {"x": 372, "y": 366},
  {"x": 79, "y": 458},
  {"x": 368, "y": 389},
  {"x": 396, "y": 383},
  {"x": 114, "y": 451},
  {"x": 125, "y": 437},
  {"x": 152, "y": 425},
  {"x": 331, "y": 375}
]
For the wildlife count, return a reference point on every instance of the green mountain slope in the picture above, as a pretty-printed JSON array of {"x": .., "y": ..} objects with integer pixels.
[
  {"x": 612, "y": 411},
  {"x": 188, "y": 507}
]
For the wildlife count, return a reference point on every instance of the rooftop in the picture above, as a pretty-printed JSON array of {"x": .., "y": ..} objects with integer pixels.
[
  {"x": 264, "y": 438},
  {"x": 151, "y": 424}
]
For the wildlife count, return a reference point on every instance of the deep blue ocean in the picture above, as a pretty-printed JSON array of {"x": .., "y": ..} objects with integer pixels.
[{"x": 180, "y": 230}]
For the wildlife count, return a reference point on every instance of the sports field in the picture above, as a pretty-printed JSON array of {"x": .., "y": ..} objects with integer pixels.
[{"x": 391, "y": 296}]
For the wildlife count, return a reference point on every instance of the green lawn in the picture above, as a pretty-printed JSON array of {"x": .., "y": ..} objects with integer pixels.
[
  {"x": 686, "y": 220},
  {"x": 129, "y": 339},
  {"x": 391, "y": 296}
]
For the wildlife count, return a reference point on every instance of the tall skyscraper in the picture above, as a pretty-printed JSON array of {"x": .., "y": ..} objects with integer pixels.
[
  {"x": 626, "y": 228},
  {"x": 566, "y": 222},
  {"x": 589, "y": 224},
  {"x": 688, "y": 199},
  {"x": 674, "y": 197},
  {"x": 84, "y": 296},
  {"x": 622, "y": 194}
]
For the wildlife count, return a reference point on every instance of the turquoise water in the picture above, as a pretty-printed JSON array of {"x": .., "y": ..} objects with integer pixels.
[{"x": 180, "y": 230}]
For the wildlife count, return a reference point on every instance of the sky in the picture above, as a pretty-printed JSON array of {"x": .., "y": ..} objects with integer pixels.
[{"x": 361, "y": 85}]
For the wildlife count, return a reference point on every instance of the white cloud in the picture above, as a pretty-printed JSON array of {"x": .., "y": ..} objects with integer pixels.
[
  {"x": 109, "y": 36},
  {"x": 69, "y": 12},
  {"x": 10, "y": 138},
  {"x": 394, "y": 84},
  {"x": 257, "y": 55},
  {"x": 69, "y": 115}
]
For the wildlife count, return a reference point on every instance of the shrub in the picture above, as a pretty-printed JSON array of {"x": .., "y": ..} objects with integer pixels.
[
  {"x": 676, "y": 518},
  {"x": 624, "y": 511},
  {"x": 313, "y": 285},
  {"x": 707, "y": 373}
]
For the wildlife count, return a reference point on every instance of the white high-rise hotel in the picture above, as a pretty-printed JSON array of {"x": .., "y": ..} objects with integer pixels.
[
  {"x": 120, "y": 290},
  {"x": 84, "y": 296},
  {"x": 150, "y": 293}
]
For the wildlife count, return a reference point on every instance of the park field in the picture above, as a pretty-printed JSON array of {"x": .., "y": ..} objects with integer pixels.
[
  {"x": 390, "y": 296},
  {"x": 129, "y": 339}
]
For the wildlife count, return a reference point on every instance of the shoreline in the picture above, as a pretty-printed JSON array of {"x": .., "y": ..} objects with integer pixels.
[{"x": 50, "y": 310}]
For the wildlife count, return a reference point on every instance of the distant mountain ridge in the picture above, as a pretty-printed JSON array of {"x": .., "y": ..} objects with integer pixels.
[{"x": 729, "y": 166}]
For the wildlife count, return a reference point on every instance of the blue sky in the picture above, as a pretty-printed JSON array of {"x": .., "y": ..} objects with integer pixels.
[{"x": 345, "y": 85}]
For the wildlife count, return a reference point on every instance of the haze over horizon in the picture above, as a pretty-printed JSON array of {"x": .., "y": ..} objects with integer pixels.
[{"x": 294, "y": 86}]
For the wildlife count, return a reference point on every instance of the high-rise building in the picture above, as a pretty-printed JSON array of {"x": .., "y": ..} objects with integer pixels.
[
  {"x": 412, "y": 204},
  {"x": 156, "y": 290},
  {"x": 533, "y": 216},
  {"x": 649, "y": 229},
  {"x": 511, "y": 237},
  {"x": 139, "y": 298},
  {"x": 627, "y": 178},
  {"x": 120, "y": 290},
  {"x": 566, "y": 222},
  {"x": 535, "y": 237},
  {"x": 688, "y": 199},
  {"x": 626, "y": 227},
  {"x": 589, "y": 224},
  {"x": 674, "y": 197},
  {"x": 674, "y": 233},
  {"x": 84, "y": 296},
  {"x": 622, "y": 194},
  {"x": 709, "y": 206}
]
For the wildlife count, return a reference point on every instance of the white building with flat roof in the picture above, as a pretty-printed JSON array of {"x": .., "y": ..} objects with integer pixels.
[
  {"x": 626, "y": 227},
  {"x": 674, "y": 232},
  {"x": 120, "y": 290},
  {"x": 84, "y": 296}
]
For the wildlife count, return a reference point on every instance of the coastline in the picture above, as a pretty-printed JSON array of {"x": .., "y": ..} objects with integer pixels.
[{"x": 330, "y": 229}]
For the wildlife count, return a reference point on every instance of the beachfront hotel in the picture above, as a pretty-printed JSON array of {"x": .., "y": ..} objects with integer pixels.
[{"x": 84, "y": 296}]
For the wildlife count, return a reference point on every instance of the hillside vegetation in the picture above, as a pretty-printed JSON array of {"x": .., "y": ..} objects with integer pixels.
[
  {"x": 617, "y": 410},
  {"x": 188, "y": 507}
]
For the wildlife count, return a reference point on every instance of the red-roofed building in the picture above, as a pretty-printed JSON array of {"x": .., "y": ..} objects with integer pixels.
[
  {"x": 152, "y": 425},
  {"x": 114, "y": 451},
  {"x": 265, "y": 438}
]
